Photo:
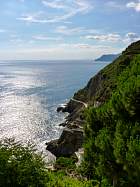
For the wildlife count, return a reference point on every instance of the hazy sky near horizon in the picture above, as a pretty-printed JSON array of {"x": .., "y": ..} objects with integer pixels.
[{"x": 67, "y": 29}]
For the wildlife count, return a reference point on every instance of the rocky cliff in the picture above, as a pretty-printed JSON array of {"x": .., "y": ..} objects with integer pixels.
[{"x": 98, "y": 90}]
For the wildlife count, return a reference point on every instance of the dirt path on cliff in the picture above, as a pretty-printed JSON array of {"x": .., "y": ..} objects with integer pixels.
[{"x": 85, "y": 104}]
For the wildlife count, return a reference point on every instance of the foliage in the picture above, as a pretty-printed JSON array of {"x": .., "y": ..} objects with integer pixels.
[
  {"x": 112, "y": 136},
  {"x": 112, "y": 133},
  {"x": 65, "y": 163},
  {"x": 101, "y": 86},
  {"x": 21, "y": 167}
]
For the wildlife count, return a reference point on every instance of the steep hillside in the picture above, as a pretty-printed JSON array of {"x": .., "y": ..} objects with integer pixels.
[
  {"x": 98, "y": 91},
  {"x": 112, "y": 132},
  {"x": 111, "y": 136},
  {"x": 101, "y": 86},
  {"x": 108, "y": 57}
]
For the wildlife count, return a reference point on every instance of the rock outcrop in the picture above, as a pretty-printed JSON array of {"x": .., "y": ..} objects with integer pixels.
[
  {"x": 68, "y": 143},
  {"x": 98, "y": 90}
]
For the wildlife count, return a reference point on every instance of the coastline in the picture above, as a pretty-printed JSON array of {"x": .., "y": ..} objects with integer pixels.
[{"x": 97, "y": 91}]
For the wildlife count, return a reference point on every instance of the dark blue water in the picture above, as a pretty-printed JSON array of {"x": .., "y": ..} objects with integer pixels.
[{"x": 30, "y": 92}]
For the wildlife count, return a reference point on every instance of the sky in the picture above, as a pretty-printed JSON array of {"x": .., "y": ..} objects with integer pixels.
[{"x": 66, "y": 29}]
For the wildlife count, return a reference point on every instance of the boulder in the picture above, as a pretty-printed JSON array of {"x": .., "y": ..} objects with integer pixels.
[
  {"x": 61, "y": 108},
  {"x": 68, "y": 143},
  {"x": 63, "y": 124}
]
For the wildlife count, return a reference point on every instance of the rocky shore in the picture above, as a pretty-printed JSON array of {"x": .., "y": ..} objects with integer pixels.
[
  {"x": 72, "y": 136},
  {"x": 98, "y": 91},
  {"x": 68, "y": 143}
]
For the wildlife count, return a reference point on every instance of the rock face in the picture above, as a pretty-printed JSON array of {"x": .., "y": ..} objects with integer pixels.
[
  {"x": 61, "y": 108},
  {"x": 68, "y": 143},
  {"x": 97, "y": 91}
]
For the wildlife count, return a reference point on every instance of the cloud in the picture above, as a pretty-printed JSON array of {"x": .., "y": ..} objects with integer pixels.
[
  {"x": 54, "y": 4},
  {"x": 116, "y": 5},
  {"x": 76, "y": 45},
  {"x": 32, "y": 18},
  {"x": 17, "y": 40},
  {"x": 46, "y": 38},
  {"x": 134, "y": 5},
  {"x": 103, "y": 37},
  {"x": 84, "y": 46},
  {"x": 65, "y": 30},
  {"x": 131, "y": 37},
  {"x": 83, "y": 6},
  {"x": 127, "y": 38},
  {"x": 70, "y": 9},
  {"x": 68, "y": 31}
]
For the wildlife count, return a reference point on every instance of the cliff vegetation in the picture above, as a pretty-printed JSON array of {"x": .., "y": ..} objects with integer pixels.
[
  {"x": 111, "y": 137},
  {"x": 112, "y": 132}
]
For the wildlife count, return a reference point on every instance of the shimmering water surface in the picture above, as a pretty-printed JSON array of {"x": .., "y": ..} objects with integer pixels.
[{"x": 30, "y": 92}]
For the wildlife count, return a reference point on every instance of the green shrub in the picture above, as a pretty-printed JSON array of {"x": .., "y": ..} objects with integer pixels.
[
  {"x": 20, "y": 166},
  {"x": 112, "y": 133},
  {"x": 65, "y": 163}
]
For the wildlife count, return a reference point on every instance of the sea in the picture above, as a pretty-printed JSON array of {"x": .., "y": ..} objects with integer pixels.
[{"x": 31, "y": 91}]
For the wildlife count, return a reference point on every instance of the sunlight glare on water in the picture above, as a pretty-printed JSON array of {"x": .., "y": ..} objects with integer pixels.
[{"x": 30, "y": 93}]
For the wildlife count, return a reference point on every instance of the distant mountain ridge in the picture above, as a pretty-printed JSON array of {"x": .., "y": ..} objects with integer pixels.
[{"x": 108, "y": 57}]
